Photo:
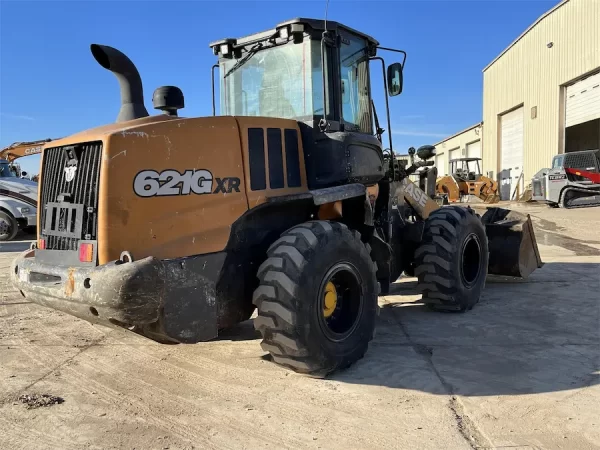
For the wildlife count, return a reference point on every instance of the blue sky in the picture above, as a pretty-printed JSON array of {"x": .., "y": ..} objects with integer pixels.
[{"x": 50, "y": 86}]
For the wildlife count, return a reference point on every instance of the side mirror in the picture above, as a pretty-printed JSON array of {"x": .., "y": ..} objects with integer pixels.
[{"x": 394, "y": 79}]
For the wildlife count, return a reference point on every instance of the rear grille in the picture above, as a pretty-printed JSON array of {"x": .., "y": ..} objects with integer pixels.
[
  {"x": 70, "y": 208},
  {"x": 589, "y": 161}
]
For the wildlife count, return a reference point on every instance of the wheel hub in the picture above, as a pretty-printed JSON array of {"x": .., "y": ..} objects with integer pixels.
[
  {"x": 341, "y": 301},
  {"x": 4, "y": 227},
  {"x": 331, "y": 299}
]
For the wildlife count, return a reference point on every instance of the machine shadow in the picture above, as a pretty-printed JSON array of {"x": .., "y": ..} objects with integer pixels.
[
  {"x": 14, "y": 247},
  {"x": 533, "y": 336},
  {"x": 243, "y": 331}
]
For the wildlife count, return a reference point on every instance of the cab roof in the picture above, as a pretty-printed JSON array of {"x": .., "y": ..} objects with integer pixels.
[
  {"x": 465, "y": 159},
  {"x": 317, "y": 26}
]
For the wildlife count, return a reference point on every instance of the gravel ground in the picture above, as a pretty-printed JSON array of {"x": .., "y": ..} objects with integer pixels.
[{"x": 521, "y": 370}]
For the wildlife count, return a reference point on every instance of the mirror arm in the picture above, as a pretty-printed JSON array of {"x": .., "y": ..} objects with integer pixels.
[
  {"x": 395, "y": 50},
  {"x": 387, "y": 106},
  {"x": 213, "y": 88}
]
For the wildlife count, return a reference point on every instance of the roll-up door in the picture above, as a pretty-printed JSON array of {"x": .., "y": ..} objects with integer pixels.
[
  {"x": 511, "y": 151},
  {"x": 583, "y": 101}
]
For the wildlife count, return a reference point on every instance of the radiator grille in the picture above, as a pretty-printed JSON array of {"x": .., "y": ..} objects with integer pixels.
[{"x": 82, "y": 190}]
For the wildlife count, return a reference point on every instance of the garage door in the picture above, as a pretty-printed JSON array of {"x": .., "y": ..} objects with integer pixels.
[
  {"x": 440, "y": 163},
  {"x": 583, "y": 101},
  {"x": 511, "y": 151},
  {"x": 474, "y": 150},
  {"x": 454, "y": 154}
]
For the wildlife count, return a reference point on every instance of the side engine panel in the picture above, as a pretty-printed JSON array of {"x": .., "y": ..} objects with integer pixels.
[{"x": 171, "y": 189}]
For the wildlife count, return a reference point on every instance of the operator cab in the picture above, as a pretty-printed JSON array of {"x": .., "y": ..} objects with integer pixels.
[
  {"x": 465, "y": 169},
  {"x": 6, "y": 171},
  {"x": 279, "y": 73},
  {"x": 11, "y": 170}
]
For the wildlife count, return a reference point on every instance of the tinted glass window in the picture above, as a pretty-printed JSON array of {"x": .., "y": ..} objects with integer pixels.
[
  {"x": 557, "y": 162},
  {"x": 354, "y": 68},
  {"x": 275, "y": 82},
  {"x": 6, "y": 171}
]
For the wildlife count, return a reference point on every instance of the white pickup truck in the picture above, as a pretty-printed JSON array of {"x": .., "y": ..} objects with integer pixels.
[{"x": 18, "y": 202}]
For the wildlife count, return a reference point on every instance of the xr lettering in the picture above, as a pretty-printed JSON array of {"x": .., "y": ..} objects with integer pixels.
[{"x": 232, "y": 183}]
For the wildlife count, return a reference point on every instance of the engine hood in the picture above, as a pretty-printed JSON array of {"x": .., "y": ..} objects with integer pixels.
[{"x": 20, "y": 186}]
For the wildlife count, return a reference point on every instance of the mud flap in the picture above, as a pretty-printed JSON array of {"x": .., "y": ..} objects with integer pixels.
[
  {"x": 512, "y": 244},
  {"x": 190, "y": 308}
]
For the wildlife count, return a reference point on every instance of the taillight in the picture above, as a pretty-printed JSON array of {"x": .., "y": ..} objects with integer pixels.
[
  {"x": 86, "y": 252},
  {"x": 42, "y": 244}
]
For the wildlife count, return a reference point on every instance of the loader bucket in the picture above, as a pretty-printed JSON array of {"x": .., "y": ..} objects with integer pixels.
[{"x": 512, "y": 244}]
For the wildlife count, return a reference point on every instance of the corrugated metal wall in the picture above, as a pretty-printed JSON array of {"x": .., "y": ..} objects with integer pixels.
[{"x": 532, "y": 75}]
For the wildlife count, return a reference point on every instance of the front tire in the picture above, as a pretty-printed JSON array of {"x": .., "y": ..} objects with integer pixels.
[
  {"x": 452, "y": 260},
  {"x": 8, "y": 227},
  {"x": 317, "y": 298}
]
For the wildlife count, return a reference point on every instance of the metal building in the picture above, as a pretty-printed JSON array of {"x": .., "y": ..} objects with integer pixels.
[
  {"x": 541, "y": 96},
  {"x": 465, "y": 143}
]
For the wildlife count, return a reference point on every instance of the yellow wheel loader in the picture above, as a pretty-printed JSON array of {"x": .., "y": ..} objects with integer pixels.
[
  {"x": 178, "y": 227},
  {"x": 465, "y": 179}
]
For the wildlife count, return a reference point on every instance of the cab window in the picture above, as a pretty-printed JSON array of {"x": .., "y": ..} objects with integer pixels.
[
  {"x": 354, "y": 71},
  {"x": 557, "y": 162}
]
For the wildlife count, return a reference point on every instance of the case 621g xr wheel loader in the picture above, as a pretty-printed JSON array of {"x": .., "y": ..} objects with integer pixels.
[{"x": 179, "y": 227}]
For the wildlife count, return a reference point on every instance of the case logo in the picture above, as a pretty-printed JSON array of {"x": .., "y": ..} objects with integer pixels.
[
  {"x": 150, "y": 183},
  {"x": 70, "y": 172},
  {"x": 415, "y": 193},
  {"x": 33, "y": 150}
]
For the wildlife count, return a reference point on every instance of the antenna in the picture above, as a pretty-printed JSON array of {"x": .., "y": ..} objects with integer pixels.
[{"x": 326, "y": 9}]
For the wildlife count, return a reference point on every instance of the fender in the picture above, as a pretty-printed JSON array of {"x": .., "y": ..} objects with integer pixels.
[
  {"x": 325, "y": 195},
  {"x": 13, "y": 206}
]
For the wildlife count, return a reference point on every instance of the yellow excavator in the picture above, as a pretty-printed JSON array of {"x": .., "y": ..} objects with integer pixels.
[
  {"x": 20, "y": 149},
  {"x": 178, "y": 227}
]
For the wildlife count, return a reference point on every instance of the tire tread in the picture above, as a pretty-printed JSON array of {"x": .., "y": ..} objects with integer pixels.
[
  {"x": 275, "y": 298},
  {"x": 436, "y": 282}
]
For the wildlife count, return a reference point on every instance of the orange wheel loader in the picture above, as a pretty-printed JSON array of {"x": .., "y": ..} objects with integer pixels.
[{"x": 178, "y": 227}]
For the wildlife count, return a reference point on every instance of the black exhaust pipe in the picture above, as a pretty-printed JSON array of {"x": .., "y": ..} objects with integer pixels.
[{"x": 132, "y": 93}]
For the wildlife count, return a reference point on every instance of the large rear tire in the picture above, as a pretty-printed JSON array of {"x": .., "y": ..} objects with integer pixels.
[
  {"x": 452, "y": 260},
  {"x": 317, "y": 298}
]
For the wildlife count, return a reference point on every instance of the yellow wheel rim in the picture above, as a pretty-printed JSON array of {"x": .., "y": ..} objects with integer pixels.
[{"x": 330, "y": 299}]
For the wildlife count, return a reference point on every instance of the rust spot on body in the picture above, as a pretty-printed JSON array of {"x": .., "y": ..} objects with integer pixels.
[{"x": 70, "y": 284}]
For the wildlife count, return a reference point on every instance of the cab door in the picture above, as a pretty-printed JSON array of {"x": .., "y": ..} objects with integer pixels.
[{"x": 363, "y": 150}]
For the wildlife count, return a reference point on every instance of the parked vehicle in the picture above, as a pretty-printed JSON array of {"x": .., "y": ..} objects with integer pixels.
[
  {"x": 18, "y": 201},
  {"x": 466, "y": 179},
  {"x": 573, "y": 181}
]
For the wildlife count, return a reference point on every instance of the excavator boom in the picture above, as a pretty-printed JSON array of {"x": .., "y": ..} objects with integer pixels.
[{"x": 20, "y": 149}]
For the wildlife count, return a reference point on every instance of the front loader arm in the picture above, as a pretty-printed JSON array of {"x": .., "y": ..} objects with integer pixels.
[
  {"x": 417, "y": 198},
  {"x": 512, "y": 244}
]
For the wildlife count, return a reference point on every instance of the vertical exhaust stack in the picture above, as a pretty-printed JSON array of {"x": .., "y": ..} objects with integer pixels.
[{"x": 132, "y": 93}]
